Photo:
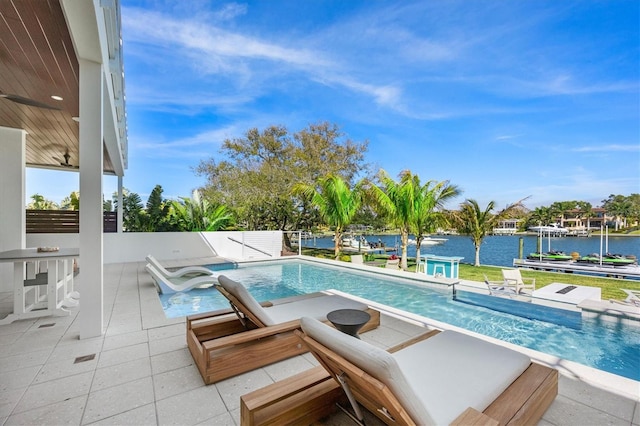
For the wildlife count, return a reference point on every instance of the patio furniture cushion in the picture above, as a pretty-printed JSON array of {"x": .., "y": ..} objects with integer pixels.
[
  {"x": 451, "y": 371},
  {"x": 241, "y": 293},
  {"x": 437, "y": 379},
  {"x": 315, "y": 307}
]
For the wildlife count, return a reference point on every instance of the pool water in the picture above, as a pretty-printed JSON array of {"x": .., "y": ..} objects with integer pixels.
[{"x": 609, "y": 347}]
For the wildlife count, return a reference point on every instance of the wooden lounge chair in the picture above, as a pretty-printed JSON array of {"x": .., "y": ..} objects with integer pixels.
[
  {"x": 513, "y": 278},
  {"x": 440, "y": 378},
  {"x": 251, "y": 335}
]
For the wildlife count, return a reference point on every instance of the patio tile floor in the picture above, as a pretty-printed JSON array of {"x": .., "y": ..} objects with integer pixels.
[{"x": 143, "y": 374}]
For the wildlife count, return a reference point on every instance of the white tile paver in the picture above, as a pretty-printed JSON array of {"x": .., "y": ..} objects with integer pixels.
[
  {"x": 121, "y": 373},
  {"x": 127, "y": 339},
  {"x": 66, "y": 368},
  {"x": 118, "y": 399},
  {"x": 125, "y": 354},
  {"x": 55, "y": 391},
  {"x": 67, "y": 412},
  {"x": 17, "y": 379},
  {"x": 192, "y": 407},
  {"x": 145, "y": 415},
  {"x": 168, "y": 361},
  {"x": 177, "y": 381}
]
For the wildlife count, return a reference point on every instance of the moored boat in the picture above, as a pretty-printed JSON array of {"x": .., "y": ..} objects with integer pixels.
[{"x": 357, "y": 242}]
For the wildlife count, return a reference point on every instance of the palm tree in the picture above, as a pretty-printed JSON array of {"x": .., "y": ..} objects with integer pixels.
[
  {"x": 335, "y": 201},
  {"x": 429, "y": 202},
  {"x": 397, "y": 201},
  {"x": 477, "y": 223},
  {"x": 198, "y": 214}
]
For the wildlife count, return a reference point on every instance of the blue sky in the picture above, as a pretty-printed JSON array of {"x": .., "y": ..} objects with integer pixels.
[{"x": 504, "y": 99}]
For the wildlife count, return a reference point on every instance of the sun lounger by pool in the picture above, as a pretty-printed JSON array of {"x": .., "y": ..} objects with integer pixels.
[
  {"x": 174, "y": 285},
  {"x": 445, "y": 378},
  {"x": 182, "y": 272},
  {"x": 251, "y": 335}
]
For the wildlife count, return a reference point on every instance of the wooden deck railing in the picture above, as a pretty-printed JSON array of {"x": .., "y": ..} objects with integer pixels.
[{"x": 63, "y": 221}]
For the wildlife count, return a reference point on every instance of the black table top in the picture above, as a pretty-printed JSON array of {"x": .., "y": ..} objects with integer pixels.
[{"x": 348, "y": 317}]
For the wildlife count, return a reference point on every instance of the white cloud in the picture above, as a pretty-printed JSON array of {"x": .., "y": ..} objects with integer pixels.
[
  {"x": 608, "y": 148},
  {"x": 201, "y": 145}
]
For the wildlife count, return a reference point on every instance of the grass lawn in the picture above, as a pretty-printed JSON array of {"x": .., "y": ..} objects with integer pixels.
[{"x": 610, "y": 286}]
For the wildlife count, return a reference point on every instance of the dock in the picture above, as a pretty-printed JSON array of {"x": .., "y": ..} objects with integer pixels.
[{"x": 632, "y": 271}]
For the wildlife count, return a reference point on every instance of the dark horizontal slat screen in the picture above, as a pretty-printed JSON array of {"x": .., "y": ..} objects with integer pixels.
[{"x": 63, "y": 222}]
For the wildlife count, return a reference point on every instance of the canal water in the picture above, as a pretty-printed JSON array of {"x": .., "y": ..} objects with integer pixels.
[{"x": 501, "y": 250}]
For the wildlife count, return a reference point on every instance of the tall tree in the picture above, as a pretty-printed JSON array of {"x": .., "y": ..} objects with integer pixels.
[
  {"x": 335, "y": 201},
  {"x": 257, "y": 172},
  {"x": 621, "y": 208},
  {"x": 476, "y": 222}
]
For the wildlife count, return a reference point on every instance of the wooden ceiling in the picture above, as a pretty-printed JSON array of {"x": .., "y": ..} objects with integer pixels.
[{"x": 38, "y": 61}]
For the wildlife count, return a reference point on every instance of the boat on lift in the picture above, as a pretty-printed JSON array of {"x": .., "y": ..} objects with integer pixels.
[
  {"x": 551, "y": 256},
  {"x": 607, "y": 259}
]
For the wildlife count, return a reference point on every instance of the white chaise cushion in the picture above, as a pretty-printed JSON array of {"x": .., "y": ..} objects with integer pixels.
[
  {"x": 437, "y": 379},
  {"x": 241, "y": 293},
  {"x": 451, "y": 371},
  {"x": 314, "y": 307}
]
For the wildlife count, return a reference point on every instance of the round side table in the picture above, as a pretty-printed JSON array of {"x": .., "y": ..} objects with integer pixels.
[{"x": 349, "y": 321}]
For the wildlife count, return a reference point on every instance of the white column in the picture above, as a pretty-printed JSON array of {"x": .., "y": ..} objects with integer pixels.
[
  {"x": 91, "y": 222},
  {"x": 12, "y": 198},
  {"x": 120, "y": 215}
]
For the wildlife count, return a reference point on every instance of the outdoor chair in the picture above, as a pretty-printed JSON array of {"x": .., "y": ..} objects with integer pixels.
[
  {"x": 438, "y": 378},
  {"x": 167, "y": 285},
  {"x": 186, "y": 271},
  {"x": 497, "y": 288},
  {"x": 252, "y": 335},
  {"x": 392, "y": 263},
  {"x": 632, "y": 299},
  {"x": 513, "y": 278}
]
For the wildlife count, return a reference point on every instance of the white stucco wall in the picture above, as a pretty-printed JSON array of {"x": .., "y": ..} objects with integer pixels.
[{"x": 134, "y": 246}]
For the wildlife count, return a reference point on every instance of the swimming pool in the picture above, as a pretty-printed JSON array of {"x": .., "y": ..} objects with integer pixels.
[{"x": 609, "y": 347}]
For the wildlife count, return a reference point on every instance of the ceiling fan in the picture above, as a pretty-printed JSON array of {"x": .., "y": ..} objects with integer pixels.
[
  {"x": 26, "y": 101},
  {"x": 66, "y": 161}
]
